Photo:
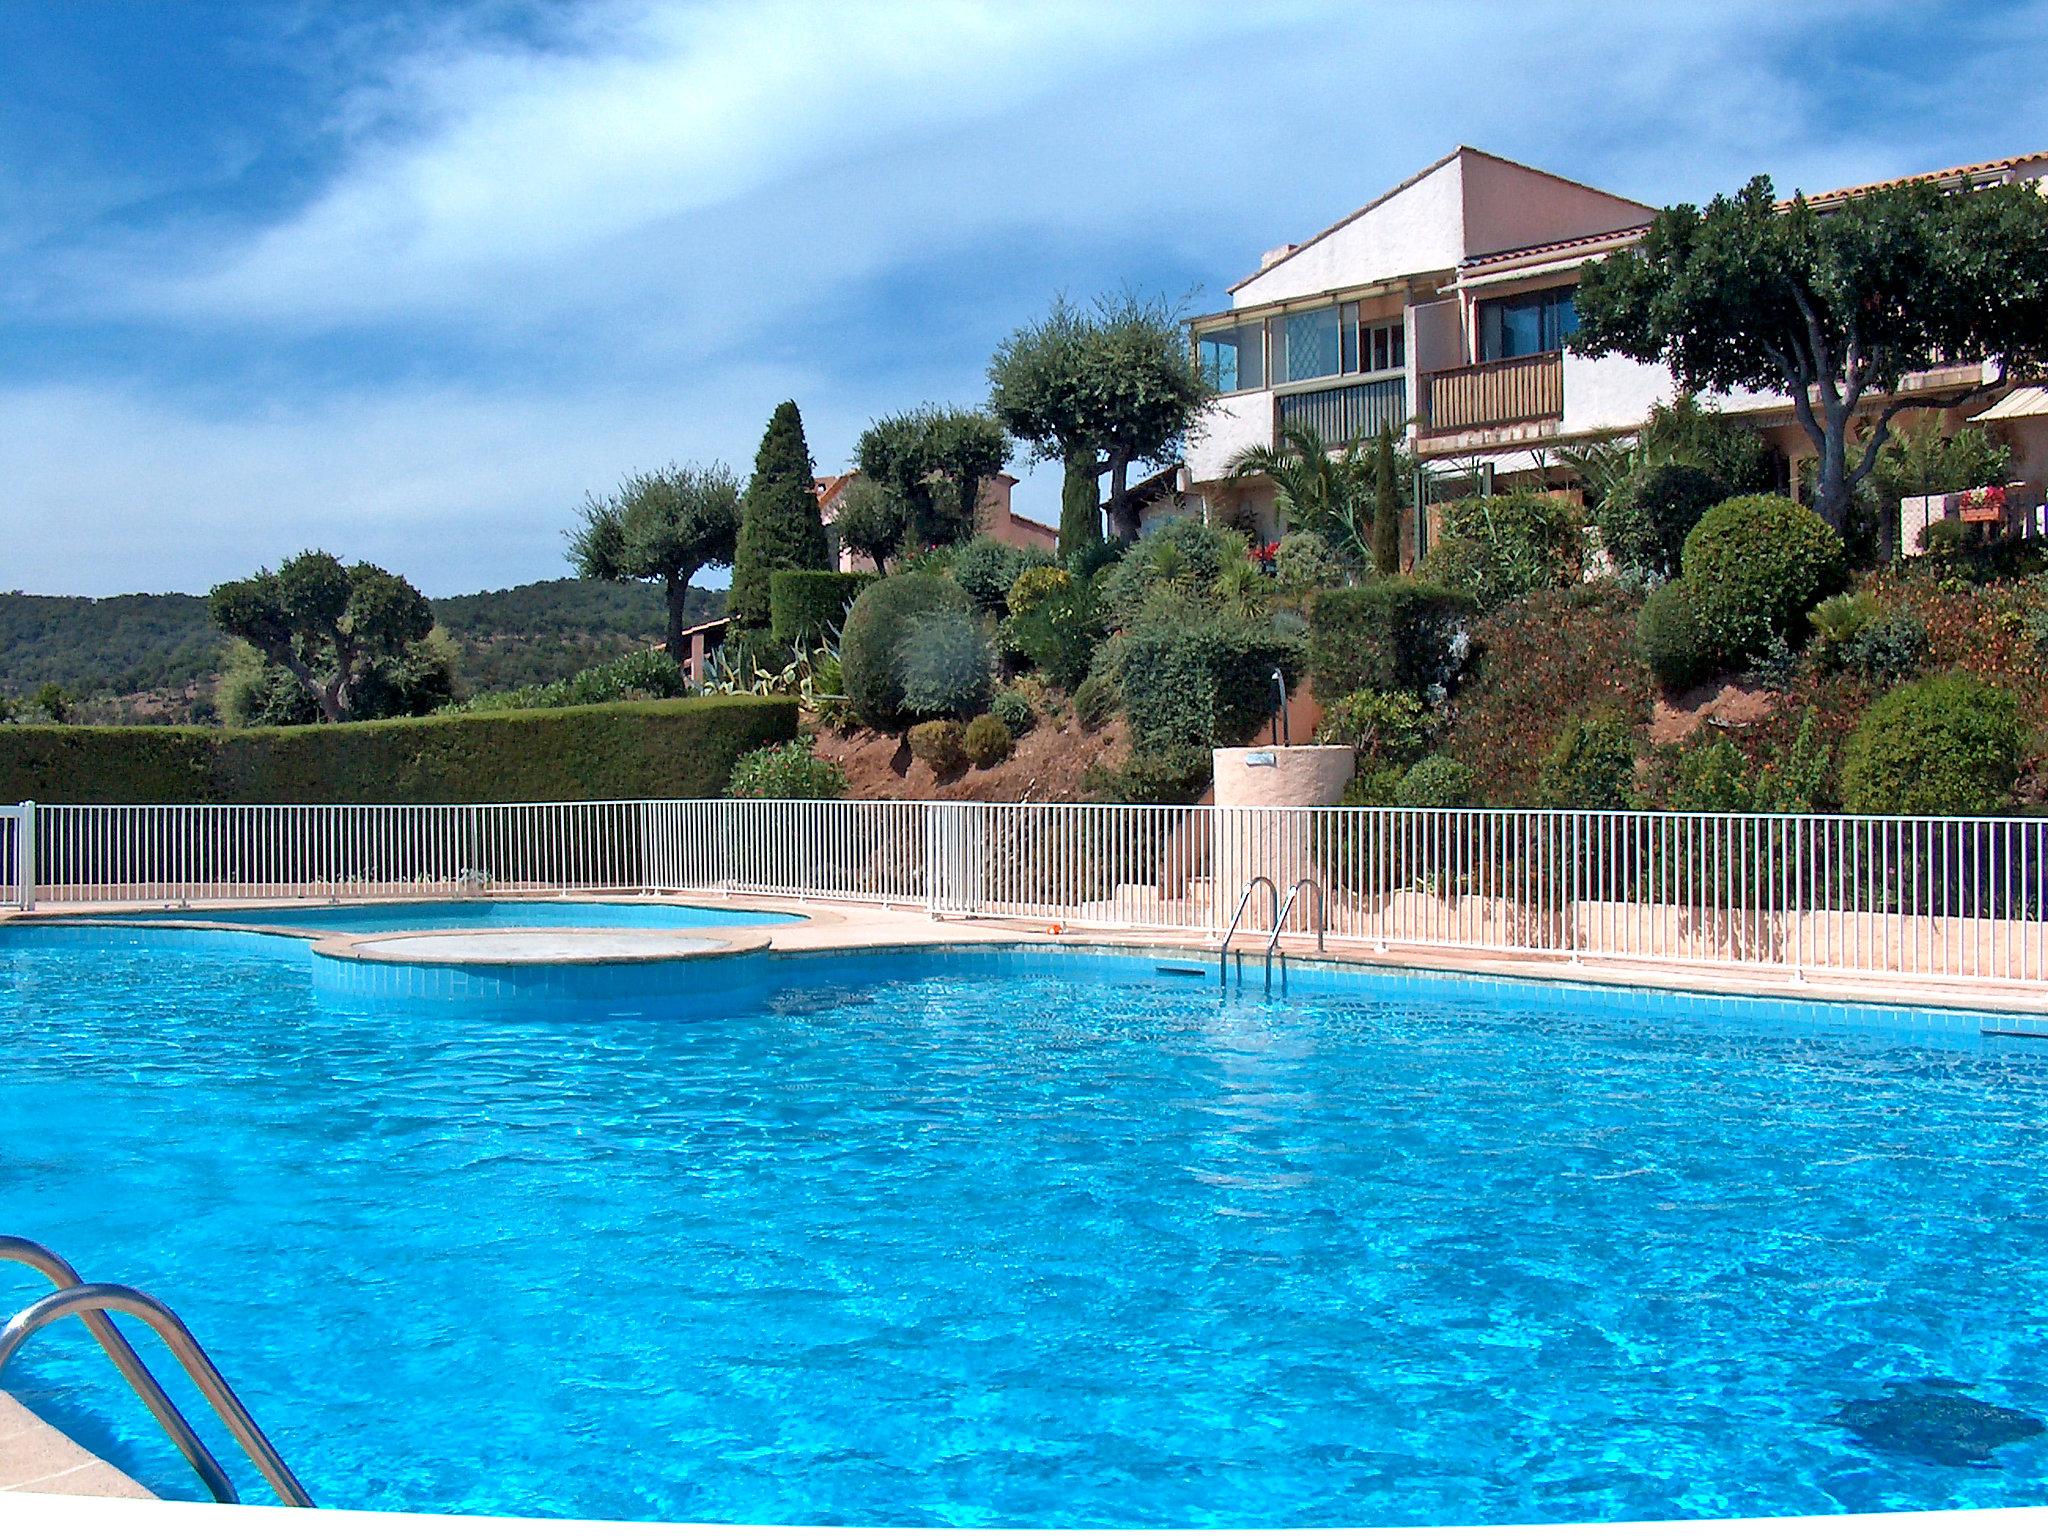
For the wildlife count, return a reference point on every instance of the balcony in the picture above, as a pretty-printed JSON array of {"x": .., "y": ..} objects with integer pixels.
[
  {"x": 1497, "y": 394},
  {"x": 1349, "y": 411}
]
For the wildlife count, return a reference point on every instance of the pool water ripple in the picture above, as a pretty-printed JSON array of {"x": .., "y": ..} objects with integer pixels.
[{"x": 972, "y": 1240}]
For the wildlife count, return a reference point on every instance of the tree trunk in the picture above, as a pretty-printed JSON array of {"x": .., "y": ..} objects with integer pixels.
[
  {"x": 678, "y": 585},
  {"x": 1080, "y": 509},
  {"x": 1123, "y": 517},
  {"x": 1831, "y": 477}
]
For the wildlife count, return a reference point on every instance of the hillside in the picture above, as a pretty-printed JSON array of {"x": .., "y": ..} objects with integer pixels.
[{"x": 154, "y": 656}]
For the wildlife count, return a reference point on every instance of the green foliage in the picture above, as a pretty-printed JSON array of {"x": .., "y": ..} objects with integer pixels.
[
  {"x": 944, "y": 665},
  {"x": 1174, "y": 775},
  {"x": 1012, "y": 706},
  {"x": 1182, "y": 557},
  {"x": 1058, "y": 625},
  {"x": 811, "y": 606},
  {"x": 335, "y": 628},
  {"x": 1591, "y": 765},
  {"x": 780, "y": 526},
  {"x": 987, "y": 569},
  {"x": 1304, "y": 562},
  {"x": 1394, "y": 635},
  {"x": 1098, "y": 699},
  {"x": 1747, "y": 295},
  {"x": 636, "y": 675},
  {"x": 1672, "y": 639},
  {"x": 875, "y": 627},
  {"x": 1945, "y": 746},
  {"x": 1498, "y": 548},
  {"x": 661, "y": 527},
  {"x": 1712, "y": 775},
  {"x": 935, "y": 462},
  {"x": 871, "y": 521},
  {"x": 1925, "y": 460},
  {"x": 941, "y": 744},
  {"x": 1689, "y": 432},
  {"x": 1383, "y": 726},
  {"x": 1436, "y": 782},
  {"x": 1756, "y": 566},
  {"x": 253, "y": 692},
  {"x": 1037, "y": 584},
  {"x": 1099, "y": 390},
  {"x": 1386, "y": 517},
  {"x": 1201, "y": 683},
  {"x": 1839, "y": 619},
  {"x": 1644, "y": 521},
  {"x": 988, "y": 741},
  {"x": 789, "y": 771},
  {"x": 1319, "y": 488},
  {"x": 1887, "y": 650},
  {"x": 1795, "y": 782},
  {"x": 1080, "y": 504},
  {"x": 679, "y": 749}
]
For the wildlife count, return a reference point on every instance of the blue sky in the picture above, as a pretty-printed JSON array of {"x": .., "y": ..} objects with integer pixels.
[{"x": 404, "y": 280}]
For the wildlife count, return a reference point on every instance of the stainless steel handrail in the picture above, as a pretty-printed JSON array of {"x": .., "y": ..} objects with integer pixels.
[
  {"x": 1243, "y": 901},
  {"x": 53, "y": 1268},
  {"x": 92, "y": 1300},
  {"x": 1280, "y": 922}
]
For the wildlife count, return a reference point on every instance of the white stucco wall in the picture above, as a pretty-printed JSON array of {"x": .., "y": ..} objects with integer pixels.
[
  {"x": 1418, "y": 229},
  {"x": 1231, "y": 423},
  {"x": 1611, "y": 394}
]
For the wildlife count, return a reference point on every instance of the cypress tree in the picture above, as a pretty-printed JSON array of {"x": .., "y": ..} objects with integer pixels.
[
  {"x": 780, "y": 528},
  {"x": 1386, "y": 518},
  {"x": 1080, "y": 508}
]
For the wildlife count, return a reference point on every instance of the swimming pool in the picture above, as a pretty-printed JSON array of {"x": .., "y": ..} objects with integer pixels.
[
  {"x": 423, "y": 916},
  {"x": 1027, "y": 1238}
]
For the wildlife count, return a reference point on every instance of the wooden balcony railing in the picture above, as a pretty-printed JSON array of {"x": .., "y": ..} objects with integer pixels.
[{"x": 1495, "y": 394}]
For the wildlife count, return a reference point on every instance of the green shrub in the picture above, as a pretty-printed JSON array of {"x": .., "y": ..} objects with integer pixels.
[
  {"x": 670, "y": 749},
  {"x": 1757, "y": 565},
  {"x": 811, "y": 606},
  {"x": 1946, "y": 746},
  {"x": 1162, "y": 776},
  {"x": 1712, "y": 775},
  {"x": 1305, "y": 562},
  {"x": 1794, "y": 781},
  {"x": 791, "y": 771},
  {"x": 1644, "y": 521},
  {"x": 1012, "y": 706},
  {"x": 1394, "y": 635},
  {"x": 1669, "y": 634},
  {"x": 1887, "y": 650},
  {"x": 1497, "y": 548},
  {"x": 1388, "y": 727},
  {"x": 987, "y": 569},
  {"x": 941, "y": 743},
  {"x": 1839, "y": 619},
  {"x": 1591, "y": 766},
  {"x": 1097, "y": 700},
  {"x": 1200, "y": 685},
  {"x": 988, "y": 741},
  {"x": 1436, "y": 783},
  {"x": 869, "y": 648},
  {"x": 636, "y": 675},
  {"x": 945, "y": 666},
  {"x": 1055, "y": 623},
  {"x": 1182, "y": 556},
  {"x": 1377, "y": 784}
]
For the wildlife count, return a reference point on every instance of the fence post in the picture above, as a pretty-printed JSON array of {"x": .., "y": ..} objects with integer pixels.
[
  {"x": 1796, "y": 848},
  {"x": 25, "y": 854}
]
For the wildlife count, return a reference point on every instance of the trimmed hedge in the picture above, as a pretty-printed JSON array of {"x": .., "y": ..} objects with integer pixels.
[
  {"x": 1395, "y": 636},
  {"x": 807, "y": 605},
  {"x": 659, "y": 749},
  {"x": 1948, "y": 746},
  {"x": 1203, "y": 687}
]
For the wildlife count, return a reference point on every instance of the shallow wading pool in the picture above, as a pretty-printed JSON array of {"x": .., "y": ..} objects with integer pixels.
[{"x": 1042, "y": 1238}]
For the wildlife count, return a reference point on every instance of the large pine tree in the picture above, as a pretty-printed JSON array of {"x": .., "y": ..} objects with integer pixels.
[{"x": 780, "y": 529}]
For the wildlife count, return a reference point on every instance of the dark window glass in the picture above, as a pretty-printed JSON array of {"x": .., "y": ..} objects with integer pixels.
[{"x": 1527, "y": 324}]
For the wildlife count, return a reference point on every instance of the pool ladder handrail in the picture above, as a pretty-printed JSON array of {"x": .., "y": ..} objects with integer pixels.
[
  {"x": 91, "y": 1303},
  {"x": 1243, "y": 901},
  {"x": 1280, "y": 924}
]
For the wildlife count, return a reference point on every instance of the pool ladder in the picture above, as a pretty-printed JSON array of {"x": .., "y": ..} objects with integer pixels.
[
  {"x": 1280, "y": 912},
  {"x": 90, "y": 1304}
]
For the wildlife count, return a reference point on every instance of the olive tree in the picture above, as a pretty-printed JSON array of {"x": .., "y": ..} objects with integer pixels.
[
  {"x": 663, "y": 526},
  {"x": 936, "y": 463},
  {"x": 1832, "y": 307},
  {"x": 1099, "y": 390}
]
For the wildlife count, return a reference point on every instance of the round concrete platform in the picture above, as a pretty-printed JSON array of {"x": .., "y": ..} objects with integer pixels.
[{"x": 531, "y": 946}]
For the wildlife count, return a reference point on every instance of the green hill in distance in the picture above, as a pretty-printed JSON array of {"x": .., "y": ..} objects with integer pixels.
[{"x": 154, "y": 657}]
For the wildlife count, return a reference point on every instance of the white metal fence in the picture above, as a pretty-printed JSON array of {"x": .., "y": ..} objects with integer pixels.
[{"x": 1912, "y": 896}]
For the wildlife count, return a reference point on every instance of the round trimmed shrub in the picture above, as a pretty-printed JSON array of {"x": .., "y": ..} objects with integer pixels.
[
  {"x": 1305, "y": 562},
  {"x": 875, "y": 628},
  {"x": 1644, "y": 521},
  {"x": 987, "y": 568},
  {"x": 987, "y": 741},
  {"x": 1756, "y": 566},
  {"x": 1436, "y": 783},
  {"x": 941, "y": 743},
  {"x": 1012, "y": 706},
  {"x": 1671, "y": 638},
  {"x": 1946, "y": 746},
  {"x": 944, "y": 665}
]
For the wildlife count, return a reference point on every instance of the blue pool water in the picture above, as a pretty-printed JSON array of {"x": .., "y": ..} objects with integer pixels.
[
  {"x": 985, "y": 1239},
  {"x": 420, "y": 916}
]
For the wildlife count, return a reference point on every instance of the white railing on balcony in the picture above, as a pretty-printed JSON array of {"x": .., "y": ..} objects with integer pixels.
[{"x": 1907, "y": 896}]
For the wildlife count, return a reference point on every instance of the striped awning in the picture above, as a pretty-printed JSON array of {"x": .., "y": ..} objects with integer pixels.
[{"x": 2028, "y": 400}]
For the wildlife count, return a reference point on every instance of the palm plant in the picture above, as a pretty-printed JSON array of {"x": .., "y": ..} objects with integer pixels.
[{"x": 1317, "y": 488}]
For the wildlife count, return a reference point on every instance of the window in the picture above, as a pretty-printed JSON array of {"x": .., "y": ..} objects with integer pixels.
[
  {"x": 1313, "y": 346},
  {"x": 1526, "y": 324},
  {"x": 1383, "y": 346},
  {"x": 1233, "y": 358}
]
